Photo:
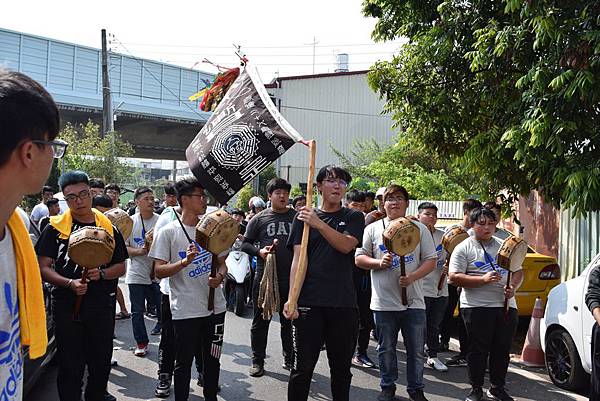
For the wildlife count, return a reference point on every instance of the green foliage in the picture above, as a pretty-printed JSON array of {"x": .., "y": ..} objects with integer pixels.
[
  {"x": 97, "y": 156},
  {"x": 243, "y": 196},
  {"x": 295, "y": 191},
  {"x": 508, "y": 90},
  {"x": 264, "y": 177}
]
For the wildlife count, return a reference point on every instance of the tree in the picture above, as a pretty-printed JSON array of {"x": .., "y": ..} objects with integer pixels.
[
  {"x": 96, "y": 155},
  {"x": 243, "y": 197},
  {"x": 508, "y": 90}
]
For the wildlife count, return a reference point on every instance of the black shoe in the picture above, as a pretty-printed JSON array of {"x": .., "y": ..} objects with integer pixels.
[
  {"x": 444, "y": 347},
  {"x": 499, "y": 394},
  {"x": 457, "y": 360},
  {"x": 387, "y": 394},
  {"x": 163, "y": 387},
  {"x": 109, "y": 397},
  {"x": 476, "y": 394},
  {"x": 257, "y": 370},
  {"x": 155, "y": 331},
  {"x": 417, "y": 396}
]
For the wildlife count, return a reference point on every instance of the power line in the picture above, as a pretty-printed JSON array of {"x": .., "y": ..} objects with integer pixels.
[
  {"x": 170, "y": 45},
  {"x": 333, "y": 111}
]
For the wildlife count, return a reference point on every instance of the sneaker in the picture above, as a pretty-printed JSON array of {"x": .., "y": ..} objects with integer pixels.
[
  {"x": 363, "y": 361},
  {"x": 163, "y": 387},
  {"x": 436, "y": 364},
  {"x": 457, "y": 360},
  {"x": 155, "y": 331},
  {"x": 113, "y": 362},
  {"x": 141, "y": 350},
  {"x": 417, "y": 396},
  {"x": 499, "y": 394},
  {"x": 476, "y": 394},
  {"x": 286, "y": 366},
  {"x": 257, "y": 370},
  {"x": 387, "y": 394}
]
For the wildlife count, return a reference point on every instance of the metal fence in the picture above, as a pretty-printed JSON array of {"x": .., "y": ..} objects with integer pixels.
[
  {"x": 446, "y": 209},
  {"x": 579, "y": 242}
]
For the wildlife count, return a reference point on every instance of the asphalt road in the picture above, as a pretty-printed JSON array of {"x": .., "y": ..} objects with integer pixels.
[{"x": 134, "y": 378}]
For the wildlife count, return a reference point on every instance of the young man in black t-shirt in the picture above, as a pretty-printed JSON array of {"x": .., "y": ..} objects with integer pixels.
[
  {"x": 327, "y": 311},
  {"x": 86, "y": 340},
  {"x": 269, "y": 225}
]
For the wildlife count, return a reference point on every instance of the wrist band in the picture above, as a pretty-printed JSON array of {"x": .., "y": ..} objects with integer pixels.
[{"x": 183, "y": 262}]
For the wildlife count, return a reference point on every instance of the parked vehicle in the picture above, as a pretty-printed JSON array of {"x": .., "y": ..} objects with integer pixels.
[
  {"x": 566, "y": 332},
  {"x": 237, "y": 285}
]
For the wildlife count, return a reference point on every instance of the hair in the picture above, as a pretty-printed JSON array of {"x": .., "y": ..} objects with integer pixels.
[
  {"x": 170, "y": 188},
  {"x": 238, "y": 212},
  {"x": 478, "y": 213},
  {"x": 393, "y": 188},
  {"x": 427, "y": 205},
  {"x": 71, "y": 178},
  {"x": 470, "y": 204},
  {"x": 96, "y": 183},
  {"x": 492, "y": 205},
  {"x": 47, "y": 188},
  {"x": 297, "y": 199},
  {"x": 186, "y": 186},
  {"x": 102, "y": 201},
  {"x": 52, "y": 202},
  {"x": 112, "y": 187},
  {"x": 142, "y": 190},
  {"x": 370, "y": 195},
  {"x": 278, "y": 183},
  {"x": 27, "y": 112},
  {"x": 331, "y": 171},
  {"x": 355, "y": 196}
]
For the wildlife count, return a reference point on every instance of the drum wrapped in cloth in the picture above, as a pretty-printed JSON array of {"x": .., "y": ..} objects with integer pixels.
[
  {"x": 453, "y": 237},
  {"x": 216, "y": 231},
  {"x": 511, "y": 256},
  {"x": 120, "y": 219},
  {"x": 91, "y": 247}
]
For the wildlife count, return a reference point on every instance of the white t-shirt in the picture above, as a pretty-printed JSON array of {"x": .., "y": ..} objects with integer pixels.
[
  {"x": 167, "y": 216},
  {"x": 140, "y": 267},
  {"x": 11, "y": 358},
  {"x": 430, "y": 281},
  {"x": 386, "y": 294},
  {"x": 469, "y": 257},
  {"x": 39, "y": 211},
  {"x": 189, "y": 287}
]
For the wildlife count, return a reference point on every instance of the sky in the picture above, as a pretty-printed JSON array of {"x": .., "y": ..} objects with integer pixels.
[{"x": 276, "y": 36}]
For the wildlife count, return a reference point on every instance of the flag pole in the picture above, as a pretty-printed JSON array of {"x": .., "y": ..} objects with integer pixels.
[{"x": 298, "y": 278}]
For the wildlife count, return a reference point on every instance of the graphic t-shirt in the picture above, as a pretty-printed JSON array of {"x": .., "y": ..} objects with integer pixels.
[
  {"x": 100, "y": 293},
  {"x": 469, "y": 257},
  {"x": 430, "y": 281},
  {"x": 140, "y": 267},
  {"x": 328, "y": 279},
  {"x": 386, "y": 291},
  {"x": 189, "y": 287},
  {"x": 11, "y": 358},
  {"x": 263, "y": 229}
]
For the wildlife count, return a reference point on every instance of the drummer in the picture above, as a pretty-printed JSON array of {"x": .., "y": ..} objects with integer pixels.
[
  {"x": 473, "y": 267},
  {"x": 391, "y": 316},
  {"x": 89, "y": 340}
]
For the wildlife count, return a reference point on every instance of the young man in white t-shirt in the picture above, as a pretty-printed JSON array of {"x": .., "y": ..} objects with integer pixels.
[
  {"x": 391, "y": 316},
  {"x": 178, "y": 257},
  {"x": 473, "y": 267}
]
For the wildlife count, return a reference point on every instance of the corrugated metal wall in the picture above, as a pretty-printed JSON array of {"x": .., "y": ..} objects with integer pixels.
[
  {"x": 446, "y": 209},
  {"x": 579, "y": 242},
  {"x": 332, "y": 110}
]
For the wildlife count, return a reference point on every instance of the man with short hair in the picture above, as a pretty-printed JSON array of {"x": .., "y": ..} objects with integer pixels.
[
  {"x": 473, "y": 266},
  {"x": 29, "y": 124},
  {"x": 269, "y": 227},
  {"x": 41, "y": 209},
  {"x": 87, "y": 340},
  {"x": 96, "y": 186},
  {"x": 369, "y": 201},
  {"x": 299, "y": 202},
  {"x": 102, "y": 202},
  {"x": 53, "y": 210},
  {"x": 239, "y": 216},
  {"x": 114, "y": 192},
  {"x": 169, "y": 197},
  {"x": 355, "y": 199},
  {"x": 391, "y": 315},
  {"x": 140, "y": 272}
]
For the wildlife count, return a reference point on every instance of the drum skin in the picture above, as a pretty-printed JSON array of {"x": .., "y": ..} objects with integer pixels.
[
  {"x": 512, "y": 253},
  {"x": 216, "y": 231},
  {"x": 401, "y": 236},
  {"x": 91, "y": 247},
  {"x": 121, "y": 220},
  {"x": 453, "y": 237}
]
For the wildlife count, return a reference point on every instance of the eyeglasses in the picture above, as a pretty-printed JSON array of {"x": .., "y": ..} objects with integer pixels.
[
  {"x": 82, "y": 195},
  {"x": 201, "y": 196},
  {"x": 59, "y": 147},
  {"x": 331, "y": 182},
  {"x": 395, "y": 199}
]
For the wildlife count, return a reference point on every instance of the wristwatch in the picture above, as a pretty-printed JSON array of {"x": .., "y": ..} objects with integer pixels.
[{"x": 102, "y": 274}]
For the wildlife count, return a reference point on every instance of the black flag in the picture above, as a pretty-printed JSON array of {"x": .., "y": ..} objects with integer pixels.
[{"x": 244, "y": 135}]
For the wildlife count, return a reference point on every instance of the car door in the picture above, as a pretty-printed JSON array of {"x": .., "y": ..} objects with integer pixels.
[{"x": 587, "y": 320}]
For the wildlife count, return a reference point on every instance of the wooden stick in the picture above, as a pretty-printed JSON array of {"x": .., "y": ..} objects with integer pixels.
[
  {"x": 211, "y": 291},
  {"x": 442, "y": 280},
  {"x": 402, "y": 274},
  {"x": 80, "y": 297},
  {"x": 506, "y": 299},
  {"x": 301, "y": 268}
]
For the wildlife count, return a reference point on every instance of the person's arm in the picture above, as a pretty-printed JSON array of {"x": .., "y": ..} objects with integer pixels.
[
  {"x": 424, "y": 269},
  {"x": 369, "y": 263},
  {"x": 294, "y": 267},
  {"x": 516, "y": 279},
  {"x": 469, "y": 281},
  {"x": 49, "y": 275},
  {"x": 216, "y": 281},
  {"x": 249, "y": 248},
  {"x": 341, "y": 242},
  {"x": 137, "y": 251},
  {"x": 164, "y": 269}
]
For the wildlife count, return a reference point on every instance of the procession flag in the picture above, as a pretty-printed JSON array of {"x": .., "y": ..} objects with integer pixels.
[{"x": 245, "y": 134}]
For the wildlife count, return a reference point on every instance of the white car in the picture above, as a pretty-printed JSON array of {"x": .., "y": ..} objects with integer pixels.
[{"x": 566, "y": 332}]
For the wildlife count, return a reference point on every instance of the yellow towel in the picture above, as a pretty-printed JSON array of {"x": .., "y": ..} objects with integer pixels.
[
  {"x": 32, "y": 313},
  {"x": 64, "y": 222}
]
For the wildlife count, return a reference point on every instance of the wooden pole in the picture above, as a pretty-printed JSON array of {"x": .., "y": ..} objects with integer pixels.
[{"x": 301, "y": 269}]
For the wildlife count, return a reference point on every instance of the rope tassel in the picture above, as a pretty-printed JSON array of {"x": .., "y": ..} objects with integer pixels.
[{"x": 268, "y": 294}]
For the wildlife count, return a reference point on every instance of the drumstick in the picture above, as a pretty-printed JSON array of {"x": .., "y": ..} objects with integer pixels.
[
  {"x": 80, "y": 297},
  {"x": 301, "y": 268},
  {"x": 443, "y": 275},
  {"x": 402, "y": 274}
]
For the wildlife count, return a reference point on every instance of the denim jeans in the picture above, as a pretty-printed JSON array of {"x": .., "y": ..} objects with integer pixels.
[
  {"x": 435, "y": 309},
  {"x": 137, "y": 296},
  {"x": 411, "y": 323}
]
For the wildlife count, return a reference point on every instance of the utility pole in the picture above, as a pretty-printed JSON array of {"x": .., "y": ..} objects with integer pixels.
[
  {"x": 107, "y": 111},
  {"x": 314, "y": 45}
]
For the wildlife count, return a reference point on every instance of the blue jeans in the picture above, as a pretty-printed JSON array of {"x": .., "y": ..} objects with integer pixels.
[
  {"x": 137, "y": 296},
  {"x": 412, "y": 324}
]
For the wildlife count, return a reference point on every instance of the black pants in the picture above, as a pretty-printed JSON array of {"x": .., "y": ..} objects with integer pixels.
[
  {"x": 336, "y": 327},
  {"x": 166, "y": 347},
  {"x": 259, "y": 331},
  {"x": 191, "y": 336},
  {"x": 595, "y": 386},
  {"x": 489, "y": 335},
  {"x": 435, "y": 309},
  {"x": 365, "y": 322},
  {"x": 87, "y": 342},
  {"x": 448, "y": 323}
]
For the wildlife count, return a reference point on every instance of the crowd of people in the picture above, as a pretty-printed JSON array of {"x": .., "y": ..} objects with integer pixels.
[{"x": 351, "y": 291}]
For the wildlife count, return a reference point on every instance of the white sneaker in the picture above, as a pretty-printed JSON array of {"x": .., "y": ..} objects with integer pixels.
[
  {"x": 436, "y": 364},
  {"x": 141, "y": 350}
]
